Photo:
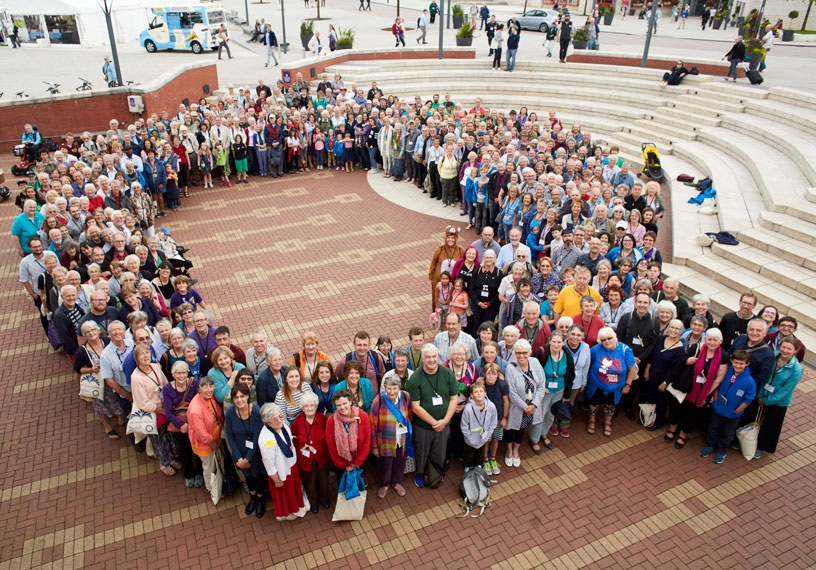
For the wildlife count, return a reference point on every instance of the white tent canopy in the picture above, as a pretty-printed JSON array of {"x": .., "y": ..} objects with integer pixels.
[{"x": 129, "y": 17}]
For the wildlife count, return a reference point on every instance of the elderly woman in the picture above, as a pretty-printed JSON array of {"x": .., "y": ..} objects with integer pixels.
[
  {"x": 205, "y": 422},
  {"x": 323, "y": 381},
  {"x": 149, "y": 294},
  {"x": 612, "y": 310},
  {"x": 199, "y": 365},
  {"x": 665, "y": 313},
  {"x": 243, "y": 425},
  {"x": 187, "y": 314},
  {"x": 700, "y": 304},
  {"x": 146, "y": 385},
  {"x": 176, "y": 397},
  {"x": 224, "y": 371},
  {"x": 588, "y": 320},
  {"x": 444, "y": 258},
  {"x": 484, "y": 290},
  {"x": 174, "y": 352},
  {"x": 307, "y": 358},
  {"x": 612, "y": 370},
  {"x": 695, "y": 334},
  {"x": 707, "y": 365},
  {"x": 391, "y": 437},
  {"x": 133, "y": 302},
  {"x": 348, "y": 433},
  {"x": 291, "y": 393},
  {"x": 309, "y": 429},
  {"x": 509, "y": 288},
  {"x": 559, "y": 374},
  {"x": 667, "y": 360},
  {"x": 510, "y": 334},
  {"x": 271, "y": 379},
  {"x": 777, "y": 393},
  {"x": 278, "y": 453},
  {"x": 526, "y": 381},
  {"x": 358, "y": 386},
  {"x": 86, "y": 361}
]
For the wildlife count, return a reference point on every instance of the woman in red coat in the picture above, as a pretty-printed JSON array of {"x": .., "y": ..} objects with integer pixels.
[
  {"x": 348, "y": 433},
  {"x": 309, "y": 429}
]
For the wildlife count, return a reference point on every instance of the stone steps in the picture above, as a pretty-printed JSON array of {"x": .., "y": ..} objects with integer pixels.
[
  {"x": 790, "y": 226},
  {"x": 793, "y": 97},
  {"x": 780, "y": 246},
  {"x": 711, "y": 102},
  {"x": 803, "y": 210},
  {"x": 694, "y": 107},
  {"x": 781, "y": 112},
  {"x": 791, "y": 275},
  {"x": 690, "y": 119},
  {"x": 810, "y": 194}
]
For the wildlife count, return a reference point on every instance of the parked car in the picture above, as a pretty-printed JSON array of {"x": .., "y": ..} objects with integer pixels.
[{"x": 538, "y": 19}]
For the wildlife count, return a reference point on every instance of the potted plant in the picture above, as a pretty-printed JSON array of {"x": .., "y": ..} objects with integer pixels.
[
  {"x": 306, "y": 32},
  {"x": 718, "y": 18},
  {"x": 580, "y": 38},
  {"x": 787, "y": 35},
  {"x": 755, "y": 53},
  {"x": 458, "y": 16},
  {"x": 608, "y": 13},
  {"x": 464, "y": 37},
  {"x": 345, "y": 38}
]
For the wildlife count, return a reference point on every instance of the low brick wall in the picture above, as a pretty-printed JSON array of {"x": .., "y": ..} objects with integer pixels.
[
  {"x": 92, "y": 111},
  {"x": 706, "y": 67}
]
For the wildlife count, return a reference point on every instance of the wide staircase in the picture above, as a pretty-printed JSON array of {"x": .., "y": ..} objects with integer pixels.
[{"x": 754, "y": 143}]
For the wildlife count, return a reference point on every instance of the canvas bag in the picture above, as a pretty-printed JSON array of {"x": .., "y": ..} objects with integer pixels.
[
  {"x": 748, "y": 435},
  {"x": 351, "y": 485}
]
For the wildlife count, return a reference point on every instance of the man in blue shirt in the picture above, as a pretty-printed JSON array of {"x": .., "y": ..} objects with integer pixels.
[{"x": 33, "y": 141}]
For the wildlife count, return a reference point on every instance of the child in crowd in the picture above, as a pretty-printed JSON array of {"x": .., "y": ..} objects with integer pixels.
[
  {"x": 498, "y": 392},
  {"x": 185, "y": 294},
  {"x": 275, "y": 160},
  {"x": 330, "y": 156},
  {"x": 221, "y": 158},
  {"x": 384, "y": 348},
  {"x": 460, "y": 301},
  {"x": 348, "y": 153},
  {"x": 479, "y": 420},
  {"x": 444, "y": 292},
  {"x": 205, "y": 164},
  {"x": 547, "y": 312},
  {"x": 319, "y": 146},
  {"x": 735, "y": 393},
  {"x": 339, "y": 148},
  {"x": 654, "y": 276},
  {"x": 556, "y": 242},
  {"x": 172, "y": 196},
  {"x": 533, "y": 239}
]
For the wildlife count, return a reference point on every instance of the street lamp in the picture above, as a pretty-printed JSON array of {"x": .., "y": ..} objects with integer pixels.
[
  {"x": 652, "y": 20},
  {"x": 107, "y": 7},
  {"x": 285, "y": 45}
]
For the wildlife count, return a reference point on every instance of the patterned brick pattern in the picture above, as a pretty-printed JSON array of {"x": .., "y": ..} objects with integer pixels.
[{"x": 322, "y": 251}]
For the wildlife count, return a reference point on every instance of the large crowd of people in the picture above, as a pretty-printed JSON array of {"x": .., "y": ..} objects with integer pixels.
[{"x": 552, "y": 310}]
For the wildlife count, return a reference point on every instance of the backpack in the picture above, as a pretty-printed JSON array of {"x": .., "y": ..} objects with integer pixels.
[
  {"x": 434, "y": 474},
  {"x": 704, "y": 184},
  {"x": 419, "y": 22},
  {"x": 475, "y": 490},
  {"x": 371, "y": 358}
]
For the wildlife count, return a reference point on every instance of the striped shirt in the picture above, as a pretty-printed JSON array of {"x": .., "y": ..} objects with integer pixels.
[{"x": 290, "y": 412}]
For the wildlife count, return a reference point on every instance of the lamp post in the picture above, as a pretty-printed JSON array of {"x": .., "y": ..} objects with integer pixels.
[
  {"x": 652, "y": 20},
  {"x": 284, "y": 46},
  {"x": 441, "y": 27},
  {"x": 107, "y": 7},
  {"x": 246, "y": 11}
]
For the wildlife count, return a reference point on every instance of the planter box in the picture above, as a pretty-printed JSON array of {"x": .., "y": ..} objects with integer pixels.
[
  {"x": 464, "y": 42},
  {"x": 579, "y": 44},
  {"x": 754, "y": 59},
  {"x": 338, "y": 46},
  {"x": 457, "y": 21},
  {"x": 305, "y": 40},
  {"x": 717, "y": 23},
  {"x": 607, "y": 19},
  {"x": 631, "y": 11},
  {"x": 787, "y": 35}
]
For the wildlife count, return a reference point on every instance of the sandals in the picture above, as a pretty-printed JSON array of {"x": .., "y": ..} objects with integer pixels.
[
  {"x": 669, "y": 437},
  {"x": 113, "y": 435},
  {"x": 591, "y": 424},
  {"x": 680, "y": 442},
  {"x": 547, "y": 443},
  {"x": 167, "y": 470},
  {"x": 537, "y": 449},
  {"x": 608, "y": 427}
]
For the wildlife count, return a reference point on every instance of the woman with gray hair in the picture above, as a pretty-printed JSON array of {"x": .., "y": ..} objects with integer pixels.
[
  {"x": 612, "y": 369},
  {"x": 391, "y": 434},
  {"x": 176, "y": 397},
  {"x": 270, "y": 380},
  {"x": 174, "y": 352},
  {"x": 309, "y": 429},
  {"x": 667, "y": 360},
  {"x": 199, "y": 365},
  {"x": 87, "y": 361},
  {"x": 278, "y": 453},
  {"x": 526, "y": 381}
]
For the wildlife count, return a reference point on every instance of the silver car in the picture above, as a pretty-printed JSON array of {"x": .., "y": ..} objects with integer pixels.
[{"x": 538, "y": 19}]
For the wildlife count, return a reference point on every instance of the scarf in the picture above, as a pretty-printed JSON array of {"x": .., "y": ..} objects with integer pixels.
[
  {"x": 345, "y": 434},
  {"x": 698, "y": 391},
  {"x": 284, "y": 442}
]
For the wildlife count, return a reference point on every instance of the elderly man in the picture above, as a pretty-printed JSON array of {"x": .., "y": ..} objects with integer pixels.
[
  {"x": 434, "y": 396},
  {"x": 453, "y": 335},
  {"x": 372, "y": 362},
  {"x": 568, "y": 303},
  {"x": 670, "y": 292},
  {"x": 639, "y": 331},
  {"x": 203, "y": 334},
  {"x": 32, "y": 266},
  {"x": 736, "y": 323},
  {"x": 762, "y": 360},
  {"x": 256, "y": 355},
  {"x": 66, "y": 318},
  {"x": 532, "y": 327},
  {"x": 507, "y": 253}
]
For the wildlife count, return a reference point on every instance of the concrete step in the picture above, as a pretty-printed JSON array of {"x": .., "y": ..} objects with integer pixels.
[
  {"x": 735, "y": 91},
  {"x": 797, "y": 143},
  {"x": 810, "y": 194},
  {"x": 695, "y": 120},
  {"x": 794, "y": 97},
  {"x": 712, "y": 102},
  {"x": 790, "y": 226},
  {"x": 780, "y": 246},
  {"x": 682, "y": 132},
  {"x": 640, "y": 135},
  {"x": 803, "y": 210},
  {"x": 694, "y": 107},
  {"x": 795, "y": 277},
  {"x": 783, "y": 113},
  {"x": 718, "y": 266}
]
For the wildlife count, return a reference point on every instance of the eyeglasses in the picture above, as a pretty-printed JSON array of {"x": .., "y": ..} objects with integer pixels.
[{"x": 606, "y": 338}]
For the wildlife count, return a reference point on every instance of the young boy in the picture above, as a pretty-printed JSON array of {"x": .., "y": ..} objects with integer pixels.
[
  {"x": 547, "y": 305},
  {"x": 330, "y": 162},
  {"x": 498, "y": 392},
  {"x": 339, "y": 147},
  {"x": 348, "y": 153},
  {"x": 479, "y": 421},
  {"x": 735, "y": 393},
  {"x": 653, "y": 272},
  {"x": 185, "y": 294}
]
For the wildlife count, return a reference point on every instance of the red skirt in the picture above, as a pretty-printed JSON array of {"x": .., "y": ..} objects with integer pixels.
[{"x": 288, "y": 499}]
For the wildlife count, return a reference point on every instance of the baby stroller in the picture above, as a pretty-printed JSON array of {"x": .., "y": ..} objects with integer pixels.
[{"x": 651, "y": 162}]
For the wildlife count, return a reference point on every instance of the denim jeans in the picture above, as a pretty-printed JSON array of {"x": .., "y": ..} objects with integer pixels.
[
  {"x": 372, "y": 157},
  {"x": 511, "y": 59},
  {"x": 732, "y": 70}
]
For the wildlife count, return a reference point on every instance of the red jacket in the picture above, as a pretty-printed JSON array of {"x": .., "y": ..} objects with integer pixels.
[
  {"x": 314, "y": 436},
  {"x": 541, "y": 338},
  {"x": 363, "y": 441}
]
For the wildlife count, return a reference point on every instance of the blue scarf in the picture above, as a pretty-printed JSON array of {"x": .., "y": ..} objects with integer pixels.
[
  {"x": 284, "y": 442},
  {"x": 392, "y": 407}
]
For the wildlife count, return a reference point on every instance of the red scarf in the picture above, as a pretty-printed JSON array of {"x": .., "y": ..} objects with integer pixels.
[
  {"x": 346, "y": 441},
  {"x": 698, "y": 391}
]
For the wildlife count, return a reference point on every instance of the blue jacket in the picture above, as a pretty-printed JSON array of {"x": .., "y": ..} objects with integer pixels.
[
  {"x": 158, "y": 185},
  {"x": 471, "y": 188},
  {"x": 733, "y": 392},
  {"x": 365, "y": 386},
  {"x": 778, "y": 391},
  {"x": 762, "y": 359},
  {"x": 532, "y": 240}
]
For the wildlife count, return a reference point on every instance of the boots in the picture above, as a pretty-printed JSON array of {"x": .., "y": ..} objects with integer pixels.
[{"x": 251, "y": 505}]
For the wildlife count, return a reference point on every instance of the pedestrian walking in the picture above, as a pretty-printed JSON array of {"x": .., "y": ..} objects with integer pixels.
[
  {"x": 223, "y": 41},
  {"x": 270, "y": 40},
  {"x": 422, "y": 24}
]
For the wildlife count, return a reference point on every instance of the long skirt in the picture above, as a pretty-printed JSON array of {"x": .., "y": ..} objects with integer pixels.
[{"x": 288, "y": 500}]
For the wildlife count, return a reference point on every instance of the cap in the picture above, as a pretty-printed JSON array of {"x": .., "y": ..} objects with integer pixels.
[
  {"x": 621, "y": 225},
  {"x": 568, "y": 229},
  {"x": 165, "y": 231},
  {"x": 22, "y": 183}
]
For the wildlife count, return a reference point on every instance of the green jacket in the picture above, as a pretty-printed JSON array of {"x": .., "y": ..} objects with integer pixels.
[{"x": 433, "y": 8}]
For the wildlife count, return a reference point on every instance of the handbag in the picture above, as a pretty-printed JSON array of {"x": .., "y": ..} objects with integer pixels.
[
  {"x": 748, "y": 435},
  {"x": 648, "y": 414},
  {"x": 351, "y": 485},
  {"x": 141, "y": 422},
  {"x": 217, "y": 478},
  {"x": 91, "y": 386},
  {"x": 53, "y": 336}
]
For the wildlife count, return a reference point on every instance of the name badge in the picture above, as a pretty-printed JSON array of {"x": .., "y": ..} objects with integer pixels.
[
  {"x": 401, "y": 430},
  {"x": 637, "y": 342},
  {"x": 305, "y": 452},
  {"x": 249, "y": 444},
  {"x": 477, "y": 429},
  {"x": 436, "y": 400},
  {"x": 769, "y": 388},
  {"x": 700, "y": 379},
  {"x": 740, "y": 393},
  {"x": 552, "y": 384}
]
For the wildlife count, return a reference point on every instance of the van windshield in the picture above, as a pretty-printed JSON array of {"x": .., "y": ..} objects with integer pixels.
[{"x": 216, "y": 17}]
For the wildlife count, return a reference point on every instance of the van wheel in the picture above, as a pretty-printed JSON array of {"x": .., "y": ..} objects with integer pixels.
[
  {"x": 196, "y": 47},
  {"x": 150, "y": 46}
]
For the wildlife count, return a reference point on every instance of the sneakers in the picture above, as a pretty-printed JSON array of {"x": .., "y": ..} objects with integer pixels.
[
  {"x": 517, "y": 462},
  {"x": 706, "y": 451},
  {"x": 488, "y": 467},
  {"x": 419, "y": 481},
  {"x": 564, "y": 432},
  {"x": 199, "y": 481},
  {"x": 719, "y": 458},
  {"x": 758, "y": 454},
  {"x": 553, "y": 431},
  {"x": 495, "y": 466},
  {"x": 508, "y": 460}
]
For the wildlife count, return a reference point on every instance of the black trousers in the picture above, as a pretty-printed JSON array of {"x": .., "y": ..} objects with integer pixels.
[
  {"x": 562, "y": 53},
  {"x": 774, "y": 417}
]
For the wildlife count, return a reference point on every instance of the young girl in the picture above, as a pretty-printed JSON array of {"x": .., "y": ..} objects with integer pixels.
[
  {"x": 221, "y": 163},
  {"x": 547, "y": 312},
  {"x": 185, "y": 294},
  {"x": 348, "y": 153},
  {"x": 319, "y": 146},
  {"x": 384, "y": 347},
  {"x": 240, "y": 152},
  {"x": 444, "y": 293},
  {"x": 330, "y": 157},
  {"x": 171, "y": 195},
  {"x": 499, "y": 393},
  {"x": 293, "y": 150},
  {"x": 339, "y": 147},
  {"x": 460, "y": 301},
  {"x": 205, "y": 164}
]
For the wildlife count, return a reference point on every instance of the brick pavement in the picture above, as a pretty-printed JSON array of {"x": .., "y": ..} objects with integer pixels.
[{"x": 323, "y": 251}]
